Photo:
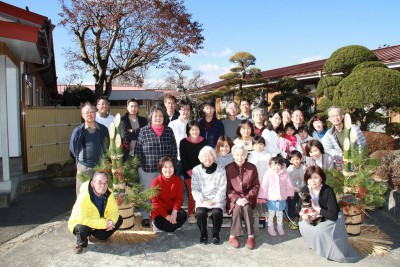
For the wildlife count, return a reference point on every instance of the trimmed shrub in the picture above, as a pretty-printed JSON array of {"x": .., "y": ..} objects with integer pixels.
[{"x": 379, "y": 141}]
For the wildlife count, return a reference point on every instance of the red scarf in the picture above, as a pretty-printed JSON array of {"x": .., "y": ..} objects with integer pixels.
[{"x": 158, "y": 131}]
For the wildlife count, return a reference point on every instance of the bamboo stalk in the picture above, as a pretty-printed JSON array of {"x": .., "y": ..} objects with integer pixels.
[{"x": 346, "y": 146}]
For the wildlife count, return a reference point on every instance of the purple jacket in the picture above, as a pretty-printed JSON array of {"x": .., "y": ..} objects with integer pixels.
[{"x": 241, "y": 185}]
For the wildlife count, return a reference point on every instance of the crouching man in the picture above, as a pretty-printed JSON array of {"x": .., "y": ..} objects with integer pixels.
[{"x": 95, "y": 212}]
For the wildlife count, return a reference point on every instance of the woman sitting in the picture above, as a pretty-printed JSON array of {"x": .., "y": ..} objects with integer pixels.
[
  {"x": 329, "y": 238},
  {"x": 167, "y": 213},
  {"x": 242, "y": 191},
  {"x": 209, "y": 193}
]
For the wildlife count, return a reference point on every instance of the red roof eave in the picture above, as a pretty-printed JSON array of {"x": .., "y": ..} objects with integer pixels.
[
  {"x": 20, "y": 32},
  {"x": 22, "y": 13}
]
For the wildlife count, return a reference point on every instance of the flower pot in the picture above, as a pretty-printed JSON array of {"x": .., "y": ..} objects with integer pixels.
[
  {"x": 126, "y": 212},
  {"x": 353, "y": 219}
]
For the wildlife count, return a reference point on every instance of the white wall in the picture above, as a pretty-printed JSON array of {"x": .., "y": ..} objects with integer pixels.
[{"x": 12, "y": 89}]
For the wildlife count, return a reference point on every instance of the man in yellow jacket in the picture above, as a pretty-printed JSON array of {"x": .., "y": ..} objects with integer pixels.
[{"x": 95, "y": 212}]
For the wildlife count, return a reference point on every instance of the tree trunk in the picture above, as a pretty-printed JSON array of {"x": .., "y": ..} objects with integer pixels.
[
  {"x": 98, "y": 89},
  {"x": 108, "y": 90}
]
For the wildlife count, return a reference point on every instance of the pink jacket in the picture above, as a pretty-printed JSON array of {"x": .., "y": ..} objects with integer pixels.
[{"x": 276, "y": 186}]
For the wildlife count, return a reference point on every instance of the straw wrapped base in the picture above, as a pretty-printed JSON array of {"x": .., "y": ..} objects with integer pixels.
[
  {"x": 371, "y": 241},
  {"x": 137, "y": 234},
  {"x": 132, "y": 237}
]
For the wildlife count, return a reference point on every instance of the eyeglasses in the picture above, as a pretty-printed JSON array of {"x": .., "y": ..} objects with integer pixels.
[
  {"x": 335, "y": 116},
  {"x": 104, "y": 184},
  {"x": 88, "y": 112}
]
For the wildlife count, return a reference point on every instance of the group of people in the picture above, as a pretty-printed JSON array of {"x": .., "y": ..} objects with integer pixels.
[{"x": 243, "y": 164}]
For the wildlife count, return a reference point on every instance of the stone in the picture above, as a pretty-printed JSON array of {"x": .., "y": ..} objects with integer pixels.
[{"x": 54, "y": 170}]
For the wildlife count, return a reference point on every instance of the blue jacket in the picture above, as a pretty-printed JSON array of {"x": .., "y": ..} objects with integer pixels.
[{"x": 76, "y": 141}]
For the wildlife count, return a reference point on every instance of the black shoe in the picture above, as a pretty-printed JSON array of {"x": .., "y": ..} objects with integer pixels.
[
  {"x": 203, "y": 240},
  {"x": 146, "y": 223},
  {"x": 216, "y": 240}
]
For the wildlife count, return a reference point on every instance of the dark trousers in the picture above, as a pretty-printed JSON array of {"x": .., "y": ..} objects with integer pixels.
[
  {"x": 240, "y": 213},
  {"x": 202, "y": 216},
  {"x": 163, "y": 224},
  {"x": 293, "y": 205},
  {"x": 82, "y": 232}
]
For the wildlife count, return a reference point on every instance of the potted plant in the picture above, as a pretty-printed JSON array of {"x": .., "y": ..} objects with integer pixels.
[
  {"x": 355, "y": 187},
  {"x": 124, "y": 178}
]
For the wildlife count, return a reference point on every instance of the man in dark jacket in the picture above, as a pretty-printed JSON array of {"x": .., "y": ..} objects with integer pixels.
[{"x": 88, "y": 143}]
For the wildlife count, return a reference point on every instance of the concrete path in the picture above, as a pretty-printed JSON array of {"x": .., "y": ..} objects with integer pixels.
[{"x": 51, "y": 245}]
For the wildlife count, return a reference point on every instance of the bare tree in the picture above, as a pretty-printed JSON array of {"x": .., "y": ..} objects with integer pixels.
[{"x": 120, "y": 37}]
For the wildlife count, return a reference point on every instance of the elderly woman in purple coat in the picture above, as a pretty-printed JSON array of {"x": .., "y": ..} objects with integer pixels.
[{"x": 242, "y": 191}]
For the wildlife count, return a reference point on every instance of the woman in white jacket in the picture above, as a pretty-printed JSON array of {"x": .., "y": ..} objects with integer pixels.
[
  {"x": 209, "y": 193},
  {"x": 270, "y": 134}
]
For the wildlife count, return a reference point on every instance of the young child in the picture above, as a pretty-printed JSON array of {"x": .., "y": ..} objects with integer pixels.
[
  {"x": 276, "y": 187},
  {"x": 260, "y": 157},
  {"x": 296, "y": 173},
  {"x": 223, "y": 150},
  {"x": 288, "y": 140},
  {"x": 304, "y": 137},
  {"x": 316, "y": 156}
]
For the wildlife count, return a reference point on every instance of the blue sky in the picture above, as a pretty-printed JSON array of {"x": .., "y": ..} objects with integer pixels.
[{"x": 278, "y": 33}]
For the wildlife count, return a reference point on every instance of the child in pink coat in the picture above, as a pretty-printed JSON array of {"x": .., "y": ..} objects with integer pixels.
[{"x": 276, "y": 187}]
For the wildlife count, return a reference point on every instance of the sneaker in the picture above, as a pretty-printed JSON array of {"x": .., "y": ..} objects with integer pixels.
[
  {"x": 146, "y": 223},
  {"x": 293, "y": 226},
  {"x": 192, "y": 219},
  {"x": 155, "y": 229},
  {"x": 280, "y": 229},
  {"x": 271, "y": 231},
  {"x": 95, "y": 240},
  {"x": 234, "y": 242},
  {"x": 250, "y": 244},
  {"x": 78, "y": 249}
]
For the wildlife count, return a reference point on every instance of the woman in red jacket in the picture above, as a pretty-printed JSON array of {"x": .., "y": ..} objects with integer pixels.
[{"x": 167, "y": 213}]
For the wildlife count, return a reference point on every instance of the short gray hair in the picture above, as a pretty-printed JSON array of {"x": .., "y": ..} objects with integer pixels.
[
  {"x": 238, "y": 147},
  {"x": 335, "y": 107},
  {"x": 97, "y": 174},
  {"x": 232, "y": 102},
  {"x": 205, "y": 150},
  {"x": 257, "y": 109},
  {"x": 88, "y": 104}
]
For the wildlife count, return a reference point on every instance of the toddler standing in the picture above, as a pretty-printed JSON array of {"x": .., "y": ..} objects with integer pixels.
[
  {"x": 260, "y": 158},
  {"x": 296, "y": 174},
  {"x": 276, "y": 187}
]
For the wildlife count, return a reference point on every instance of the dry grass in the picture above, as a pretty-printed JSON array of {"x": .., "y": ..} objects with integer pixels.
[
  {"x": 137, "y": 234},
  {"x": 371, "y": 242}
]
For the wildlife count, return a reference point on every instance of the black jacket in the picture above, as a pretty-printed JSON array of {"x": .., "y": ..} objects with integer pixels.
[
  {"x": 128, "y": 136},
  {"x": 327, "y": 202}
]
